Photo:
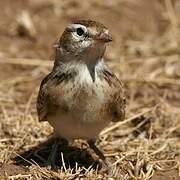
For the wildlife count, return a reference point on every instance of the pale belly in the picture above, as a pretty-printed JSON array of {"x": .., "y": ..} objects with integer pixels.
[
  {"x": 69, "y": 127},
  {"x": 85, "y": 117}
]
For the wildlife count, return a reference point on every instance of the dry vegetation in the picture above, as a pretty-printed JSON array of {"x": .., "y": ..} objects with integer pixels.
[{"x": 145, "y": 55}]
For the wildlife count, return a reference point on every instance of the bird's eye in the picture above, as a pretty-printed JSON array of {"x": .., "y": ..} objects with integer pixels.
[{"x": 80, "y": 31}]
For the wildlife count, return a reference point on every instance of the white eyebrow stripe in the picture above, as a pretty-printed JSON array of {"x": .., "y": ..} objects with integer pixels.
[{"x": 75, "y": 26}]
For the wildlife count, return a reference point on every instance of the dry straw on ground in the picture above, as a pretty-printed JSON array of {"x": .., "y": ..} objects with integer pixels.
[{"x": 148, "y": 141}]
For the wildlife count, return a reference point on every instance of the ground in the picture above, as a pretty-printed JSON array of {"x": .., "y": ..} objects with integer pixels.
[{"x": 144, "y": 54}]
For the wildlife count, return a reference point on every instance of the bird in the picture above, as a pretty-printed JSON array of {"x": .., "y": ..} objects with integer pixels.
[{"x": 81, "y": 95}]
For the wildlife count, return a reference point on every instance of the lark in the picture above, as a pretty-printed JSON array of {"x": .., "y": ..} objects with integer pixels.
[{"x": 81, "y": 95}]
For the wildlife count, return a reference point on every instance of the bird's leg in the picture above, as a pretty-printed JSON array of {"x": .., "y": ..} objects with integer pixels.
[
  {"x": 51, "y": 162},
  {"x": 93, "y": 146},
  {"x": 101, "y": 156}
]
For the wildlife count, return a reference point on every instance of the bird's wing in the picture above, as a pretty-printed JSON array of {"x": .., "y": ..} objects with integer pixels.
[
  {"x": 42, "y": 99},
  {"x": 117, "y": 101},
  {"x": 117, "y": 107},
  {"x": 51, "y": 89}
]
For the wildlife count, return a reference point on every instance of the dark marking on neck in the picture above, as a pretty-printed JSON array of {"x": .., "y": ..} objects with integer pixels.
[
  {"x": 64, "y": 76},
  {"x": 109, "y": 77},
  {"x": 91, "y": 69}
]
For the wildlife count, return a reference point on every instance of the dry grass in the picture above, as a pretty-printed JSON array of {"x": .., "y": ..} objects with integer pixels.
[{"x": 146, "y": 142}]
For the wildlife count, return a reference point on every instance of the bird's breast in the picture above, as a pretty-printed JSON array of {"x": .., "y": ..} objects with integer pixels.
[{"x": 82, "y": 110}]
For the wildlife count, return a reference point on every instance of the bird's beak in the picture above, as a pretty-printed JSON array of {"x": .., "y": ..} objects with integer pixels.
[{"x": 104, "y": 37}]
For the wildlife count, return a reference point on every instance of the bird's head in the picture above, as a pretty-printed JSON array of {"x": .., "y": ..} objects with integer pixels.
[{"x": 85, "y": 38}]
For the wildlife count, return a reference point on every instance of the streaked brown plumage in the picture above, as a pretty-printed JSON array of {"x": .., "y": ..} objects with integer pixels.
[{"x": 81, "y": 95}]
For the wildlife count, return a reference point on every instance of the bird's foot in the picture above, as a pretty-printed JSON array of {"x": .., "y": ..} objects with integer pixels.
[{"x": 51, "y": 162}]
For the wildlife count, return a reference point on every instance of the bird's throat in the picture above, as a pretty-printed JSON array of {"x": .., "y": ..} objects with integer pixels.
[
  {"x": 91, "y": 68},
  {"x": 88, "y": 59}
]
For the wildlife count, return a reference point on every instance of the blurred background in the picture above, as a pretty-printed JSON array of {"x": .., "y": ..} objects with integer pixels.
[{"x": 145, "y": 54}]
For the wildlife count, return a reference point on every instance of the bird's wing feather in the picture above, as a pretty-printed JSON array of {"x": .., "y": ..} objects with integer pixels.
[
  {"x": 46, "y": 104},
  {"x": 42, "y": 100},
  {"x": 117, "y": 101}
]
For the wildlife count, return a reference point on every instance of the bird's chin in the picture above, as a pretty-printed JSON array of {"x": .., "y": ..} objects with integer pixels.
[
  {"x": 89, "y": 51},
  {"x": 85, "y": 44},
  {"x": 92, "y": 44}
]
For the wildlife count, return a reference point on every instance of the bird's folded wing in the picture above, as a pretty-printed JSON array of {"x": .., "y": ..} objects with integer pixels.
[
  {"x": 42, "y": 100},
  {"x": 117, "y": 107},
  {"x": 118, "y": 101},
  {"x": 50, "y": 88}
]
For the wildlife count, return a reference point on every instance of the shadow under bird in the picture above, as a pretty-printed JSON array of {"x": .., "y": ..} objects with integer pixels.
[{"x": 81, "y": 95}]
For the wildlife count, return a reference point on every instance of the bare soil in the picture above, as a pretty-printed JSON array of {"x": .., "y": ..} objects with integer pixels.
[{"x": 145, "y": 54}]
